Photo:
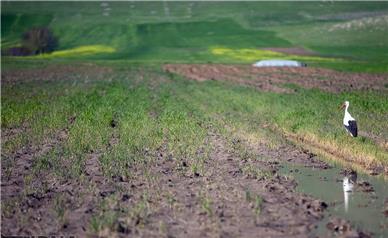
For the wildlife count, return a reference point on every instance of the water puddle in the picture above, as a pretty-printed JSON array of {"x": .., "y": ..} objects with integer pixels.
[{"x": 358, "y": 198}]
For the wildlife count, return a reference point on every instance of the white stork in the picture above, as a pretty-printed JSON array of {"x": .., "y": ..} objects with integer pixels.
[{"x": 349, "y": 122}]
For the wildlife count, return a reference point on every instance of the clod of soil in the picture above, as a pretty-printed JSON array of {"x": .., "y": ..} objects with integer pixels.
[
  {"x": 72, "y": 119},
  {"x": 385, "y": 210},
  {"x": 343, "y": 228},
  {"x": 113, "y": 123},
  {"x": 366, "y": 187}
]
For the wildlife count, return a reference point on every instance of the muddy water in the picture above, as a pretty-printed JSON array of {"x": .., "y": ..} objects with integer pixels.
[{"x": 348, "y": 197}]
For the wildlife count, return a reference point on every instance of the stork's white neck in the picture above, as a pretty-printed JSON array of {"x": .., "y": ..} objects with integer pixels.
[
  {"x": 346, "y": 108},
  {"x": 347, "y": 116}
]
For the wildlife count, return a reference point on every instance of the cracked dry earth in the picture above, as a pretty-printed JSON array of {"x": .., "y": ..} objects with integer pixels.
[{"x": 234, "y": 196}]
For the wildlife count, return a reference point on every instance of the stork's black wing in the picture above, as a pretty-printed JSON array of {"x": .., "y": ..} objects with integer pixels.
[{"x": 352, "y": 128}]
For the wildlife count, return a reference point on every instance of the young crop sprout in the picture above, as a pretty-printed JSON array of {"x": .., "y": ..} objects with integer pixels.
[{"x": 349, "y": 122}]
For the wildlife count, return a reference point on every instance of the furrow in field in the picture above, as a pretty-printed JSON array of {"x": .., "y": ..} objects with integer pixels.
[
  {"x": 275, "y": 79},
  {"x": 19, "y": 186}
]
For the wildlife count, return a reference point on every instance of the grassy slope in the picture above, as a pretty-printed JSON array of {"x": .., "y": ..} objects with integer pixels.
[
  {"x": 352, "y": 39},
  {"x": 185, "y": 31}
]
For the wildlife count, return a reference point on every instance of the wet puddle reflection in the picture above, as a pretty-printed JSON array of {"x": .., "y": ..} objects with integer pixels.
[
  {"x": 358, "y": 198},
  {"x": 349, "y": 182}
]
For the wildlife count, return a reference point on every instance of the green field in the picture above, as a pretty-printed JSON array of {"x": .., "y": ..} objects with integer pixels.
[
  {"x": 126, "y": 116},
  {"x": 99, "y": 139},
  {"x": 187, "y": 31},
  {"x": 181, "y": 105}
]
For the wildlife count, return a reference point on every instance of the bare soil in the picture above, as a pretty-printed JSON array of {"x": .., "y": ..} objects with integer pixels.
[
  {"x": 276, "y": 79},
  {"x": 82, "y": 71},
  {"x": 164, "y": 198},
  {"x": 341, "y": 227}
]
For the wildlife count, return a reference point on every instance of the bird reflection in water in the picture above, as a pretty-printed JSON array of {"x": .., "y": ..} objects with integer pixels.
[{"x": 349, "y": 183}]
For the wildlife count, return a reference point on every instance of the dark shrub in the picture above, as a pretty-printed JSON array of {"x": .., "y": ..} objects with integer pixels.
[
  {"x": 35, "y": 41},
  {"x": 17, "y": 51},
  {"x": 39, "y": 40}
]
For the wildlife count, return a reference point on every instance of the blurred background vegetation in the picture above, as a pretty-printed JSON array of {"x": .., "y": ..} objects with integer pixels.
[{"x": 355, "y": 33}]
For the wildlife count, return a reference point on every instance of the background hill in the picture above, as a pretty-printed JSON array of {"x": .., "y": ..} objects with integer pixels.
[{"x": 354, "y": 33}]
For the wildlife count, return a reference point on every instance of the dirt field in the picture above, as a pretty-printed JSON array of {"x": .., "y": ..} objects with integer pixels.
[
  {"x": 227, "y": 200},
  {"x": 83, "y": 71},
  {"x": 278, "y": 79},
  {"x": 237, "y": 195}
]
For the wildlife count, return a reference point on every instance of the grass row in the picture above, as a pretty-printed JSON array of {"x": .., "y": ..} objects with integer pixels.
[
  {"x": 146, "y": 122},
  {"x": 311, "y": 115},
  {"x": 166, "y": 113}
]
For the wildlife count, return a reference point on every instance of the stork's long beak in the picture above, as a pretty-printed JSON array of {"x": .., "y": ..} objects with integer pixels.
[{"x": 342, "y": 106}]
